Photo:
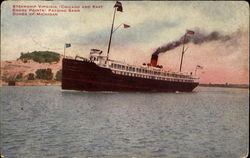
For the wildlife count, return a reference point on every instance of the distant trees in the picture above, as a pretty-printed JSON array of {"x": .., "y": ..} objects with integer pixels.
[
  {"x": 45, "y": 74},
  {"x": 59, "y": 75},
  {"x": 31, "y": 76},
  {"x": 19, "y": 77},
  {"x": 41, "y": 56}
]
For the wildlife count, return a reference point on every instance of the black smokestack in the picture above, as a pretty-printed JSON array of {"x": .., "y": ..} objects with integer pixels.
[
  {"x": 154, "y": 59},
  {"x": 197, "y": 38}
]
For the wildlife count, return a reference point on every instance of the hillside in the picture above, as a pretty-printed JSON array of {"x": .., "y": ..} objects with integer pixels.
[{"x": 19, "y": 70}]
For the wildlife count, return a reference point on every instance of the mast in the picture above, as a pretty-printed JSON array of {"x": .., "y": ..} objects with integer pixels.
[
  {"x": 182, "y": 53},
  {"x": 111, "y": 33}
]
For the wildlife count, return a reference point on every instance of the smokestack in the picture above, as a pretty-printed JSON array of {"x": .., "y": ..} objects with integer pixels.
[{"x": 154, "y": 59}]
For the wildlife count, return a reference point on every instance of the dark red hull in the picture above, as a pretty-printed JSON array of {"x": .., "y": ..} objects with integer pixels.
[{"x": 87, "y": 76}]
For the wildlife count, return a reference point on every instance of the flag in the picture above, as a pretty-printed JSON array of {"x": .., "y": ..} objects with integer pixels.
[
  {"x": 67, "y": 45},
  {"x": 200, "y": 67},
  {"x": 125, "y": 26},
  {"x": 118, "y": 5},
  {"x": 190, "y": 32}
]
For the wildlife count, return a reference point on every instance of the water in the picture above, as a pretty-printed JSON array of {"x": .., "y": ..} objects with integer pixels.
[{"x": 46, "y": 122}]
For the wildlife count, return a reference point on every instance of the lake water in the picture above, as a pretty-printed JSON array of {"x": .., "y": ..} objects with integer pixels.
[{"x": 44, "y": 121}]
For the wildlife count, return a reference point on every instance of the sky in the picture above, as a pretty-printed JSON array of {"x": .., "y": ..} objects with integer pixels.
[{"x": 153, "y": 25}]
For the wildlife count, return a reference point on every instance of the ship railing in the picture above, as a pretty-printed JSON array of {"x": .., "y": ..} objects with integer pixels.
[{"x": 79, "y": 57}]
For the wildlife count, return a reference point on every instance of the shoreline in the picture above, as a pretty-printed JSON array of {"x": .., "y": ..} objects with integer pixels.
[
  {"x": 33, "y": 83},
  {"x": 58, "y": 83}
]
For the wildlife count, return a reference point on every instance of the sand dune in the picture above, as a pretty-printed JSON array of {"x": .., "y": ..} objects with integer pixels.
[{"x": 10, "y": 69}]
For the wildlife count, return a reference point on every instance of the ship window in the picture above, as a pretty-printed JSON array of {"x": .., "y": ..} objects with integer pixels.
[{"x": 123, "y": 67}]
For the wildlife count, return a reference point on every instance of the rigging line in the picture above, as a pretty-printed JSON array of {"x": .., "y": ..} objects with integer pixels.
[{"x": 54, "y": 49}]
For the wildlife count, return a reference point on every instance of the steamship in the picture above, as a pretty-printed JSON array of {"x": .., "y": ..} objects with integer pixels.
[{"x": 99, "y": 73}]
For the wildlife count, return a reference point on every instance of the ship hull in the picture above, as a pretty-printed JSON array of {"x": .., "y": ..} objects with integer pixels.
[{"x": 87, "y": 76}]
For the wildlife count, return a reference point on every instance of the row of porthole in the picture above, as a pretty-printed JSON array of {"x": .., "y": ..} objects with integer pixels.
[
  {"x": 150, "y": 77},
  {"x": 122, "y": 67}
]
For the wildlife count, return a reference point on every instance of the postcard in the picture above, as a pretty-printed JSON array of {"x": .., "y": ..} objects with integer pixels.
[{"x": 124, "y": 79}]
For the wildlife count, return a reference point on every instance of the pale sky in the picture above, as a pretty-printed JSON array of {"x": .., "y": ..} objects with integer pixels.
[{"x": 153, "y": 24}]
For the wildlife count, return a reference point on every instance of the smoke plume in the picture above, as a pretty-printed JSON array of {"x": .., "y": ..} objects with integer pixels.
[{"x": 197, "y": 38}]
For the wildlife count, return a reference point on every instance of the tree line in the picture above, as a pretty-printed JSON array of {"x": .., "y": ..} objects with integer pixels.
[
  {"x": 42, "y": 74},
  {"x": 40, "y": 56}
]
